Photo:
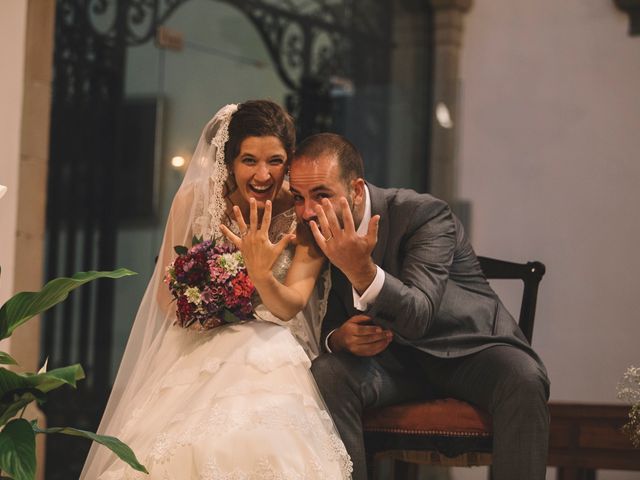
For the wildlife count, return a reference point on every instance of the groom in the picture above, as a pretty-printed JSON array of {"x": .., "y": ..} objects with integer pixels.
[{"x": 410, "y": 313}]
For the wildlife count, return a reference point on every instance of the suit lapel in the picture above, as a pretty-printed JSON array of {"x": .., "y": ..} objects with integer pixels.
[
  {"x": 379, "y": 207},
  {"x": 342, "y": 287}
]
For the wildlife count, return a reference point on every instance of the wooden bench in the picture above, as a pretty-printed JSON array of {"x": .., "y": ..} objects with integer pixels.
[{"x": 585, "y": 438}]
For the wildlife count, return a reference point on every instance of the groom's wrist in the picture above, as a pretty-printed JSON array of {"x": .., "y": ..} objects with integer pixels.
[{"x": 362, "y": 276}]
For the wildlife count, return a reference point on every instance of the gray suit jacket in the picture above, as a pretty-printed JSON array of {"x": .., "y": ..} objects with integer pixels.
[{"x": 435, "y": 296}]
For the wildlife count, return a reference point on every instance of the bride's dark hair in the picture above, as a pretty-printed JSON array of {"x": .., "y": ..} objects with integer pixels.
[{"x": 259, "y": 118}]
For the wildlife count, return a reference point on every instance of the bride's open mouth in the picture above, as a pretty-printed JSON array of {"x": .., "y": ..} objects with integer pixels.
[{"x": 262, "y": 190}]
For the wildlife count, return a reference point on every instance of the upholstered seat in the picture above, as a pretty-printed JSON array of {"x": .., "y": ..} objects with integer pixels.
[{"x": 447, "y": 432}]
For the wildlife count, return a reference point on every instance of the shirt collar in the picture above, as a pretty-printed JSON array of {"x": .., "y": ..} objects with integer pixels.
[{"x": 366, "y": 217}]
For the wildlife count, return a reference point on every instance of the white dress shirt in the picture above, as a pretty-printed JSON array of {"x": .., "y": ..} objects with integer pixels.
[{"x": 362, "y": 302}]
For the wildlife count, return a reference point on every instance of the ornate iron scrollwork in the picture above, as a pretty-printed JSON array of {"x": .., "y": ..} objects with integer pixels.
[{"x": 310, "y": 38}]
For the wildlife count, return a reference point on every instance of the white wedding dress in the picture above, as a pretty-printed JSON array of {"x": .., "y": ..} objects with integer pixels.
[{"x": 235, "y": 403}]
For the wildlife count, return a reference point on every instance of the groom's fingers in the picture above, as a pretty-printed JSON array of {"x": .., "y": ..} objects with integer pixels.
[
  {"x": 371, "y": 349},
  {"x": 323, "y": 221},
  {"x": 347, "y": 217},
  {"x": 372, "y": 231},
  {"x": 332, "y": 218},
  {"x": 317, "y": 235}
]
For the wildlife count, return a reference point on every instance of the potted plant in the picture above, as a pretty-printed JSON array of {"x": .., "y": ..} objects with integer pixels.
[
  {"x": 629, "y": 390},
  {"x": 17, "y": 390}
]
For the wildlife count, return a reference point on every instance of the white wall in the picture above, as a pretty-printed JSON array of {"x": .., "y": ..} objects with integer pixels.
[
  {"x": 13, "y": 14},
  {"x": 550, "y": 159}
]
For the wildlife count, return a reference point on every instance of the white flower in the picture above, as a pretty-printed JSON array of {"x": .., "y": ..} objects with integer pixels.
[
  {"x": 193, "y": 295},
  {"x": 231, "y": 262},
  {"x": 3, "y": 190},
  {"x": 629, "y": 387}
]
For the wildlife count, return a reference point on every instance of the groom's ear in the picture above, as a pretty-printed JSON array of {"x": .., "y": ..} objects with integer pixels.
[{"x": 357, "y": 187}]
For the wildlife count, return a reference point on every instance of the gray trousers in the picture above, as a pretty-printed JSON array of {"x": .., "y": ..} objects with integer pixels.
[{"x": 503, "y": 380}]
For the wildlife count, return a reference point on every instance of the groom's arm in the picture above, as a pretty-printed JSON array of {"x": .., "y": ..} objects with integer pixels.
[
  {"x": 409, "y": 299},
  {"x": 408, "y": 302}
]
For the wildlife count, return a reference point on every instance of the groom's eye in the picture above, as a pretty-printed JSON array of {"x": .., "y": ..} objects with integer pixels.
[{"x": 297, "y": 199}]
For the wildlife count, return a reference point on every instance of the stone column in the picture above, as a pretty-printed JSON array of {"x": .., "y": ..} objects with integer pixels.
[
  {"x": 32, "y": 189},
  {"x": 447, "y": 38}
]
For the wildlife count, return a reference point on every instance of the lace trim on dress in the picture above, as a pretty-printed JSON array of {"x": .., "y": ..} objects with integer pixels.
[
  {"x": 269, "y": 417},
  {"x": 220, "y": 421},
  {"x": 266, "y": 361},
  {"x": 263, "y": 469}
]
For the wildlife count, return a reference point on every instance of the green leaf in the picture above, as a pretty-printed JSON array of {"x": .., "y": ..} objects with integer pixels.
[
  {"x": 19, "y": 389},
  {"x": 196, "y": 240},
  {"x": 25, "y": 305},
  {"x": 16, "y": 400},
  {"x": 47, "y": 381},
  {"x": 112, "y": 443},
  {"x": 18, "y": 450},
  {"x": 180, "y": 249},
  {"x": 229, "y": 317},
  {"x": 6, "y": 359}
]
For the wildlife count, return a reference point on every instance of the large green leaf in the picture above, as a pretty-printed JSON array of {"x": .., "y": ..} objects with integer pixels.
[
  {"x": 16, "y": 400},
  {"x": 14, "y": 387},
  {"x": 18, "y": 450},
  {"x": 112, "y": 443},
  {"x": 47, "y": 381},
  {"x": 25, "y": 305},
  {"x": 6, "y": 359}
]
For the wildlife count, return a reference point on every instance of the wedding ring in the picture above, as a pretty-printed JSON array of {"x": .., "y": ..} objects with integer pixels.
[
  {"x": 244, "y": 234},
  {"x": 328, "y": 238}
]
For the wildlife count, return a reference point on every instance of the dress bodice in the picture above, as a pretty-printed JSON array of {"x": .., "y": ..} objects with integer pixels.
[{"x": 305, "y": 325}]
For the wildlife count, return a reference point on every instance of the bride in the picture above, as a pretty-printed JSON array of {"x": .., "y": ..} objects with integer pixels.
[{"x": 237, "y": 401}]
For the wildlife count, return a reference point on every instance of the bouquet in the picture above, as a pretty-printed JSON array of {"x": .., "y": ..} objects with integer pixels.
[
  {"x": 210, "y": 284},
  {"x": 629, "y": 390}
]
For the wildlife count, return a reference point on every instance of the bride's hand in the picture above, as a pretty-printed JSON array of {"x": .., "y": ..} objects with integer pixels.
[{"x": 258, "y": 252}]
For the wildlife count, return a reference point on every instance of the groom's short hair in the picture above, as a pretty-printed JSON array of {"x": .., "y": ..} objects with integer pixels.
[{"x": 348, "y": 156}]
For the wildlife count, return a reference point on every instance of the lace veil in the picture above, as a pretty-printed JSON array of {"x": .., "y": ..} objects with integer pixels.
[{"x": 197, "y": 209}]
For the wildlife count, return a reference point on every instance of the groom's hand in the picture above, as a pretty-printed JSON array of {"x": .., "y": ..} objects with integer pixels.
[
  {"x": 359, "y": 337},
  {"x": 341, "y": 244}
]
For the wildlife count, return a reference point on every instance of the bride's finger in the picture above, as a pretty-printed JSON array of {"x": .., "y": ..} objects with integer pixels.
[
  {"x": 239, "y": 219},
  {"x": 266, "y": 217},
  {"x": 283, "y": 242},
  {"x": 233, "y": 238},
  {"x": 253, "y": 214}
]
